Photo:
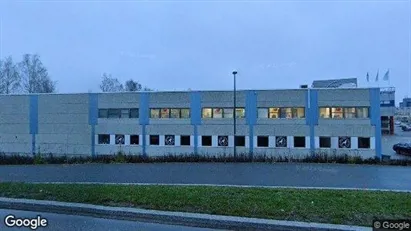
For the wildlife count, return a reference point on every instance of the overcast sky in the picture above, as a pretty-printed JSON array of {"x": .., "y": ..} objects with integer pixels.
[{"x": 177, "y": 45}]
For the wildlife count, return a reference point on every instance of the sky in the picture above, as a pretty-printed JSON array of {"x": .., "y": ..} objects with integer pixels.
[{"x": 181, "y": 45}]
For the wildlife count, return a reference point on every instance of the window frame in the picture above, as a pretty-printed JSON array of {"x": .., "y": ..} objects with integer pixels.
[
  {"x": 138, "y": 140},
  {"x": 302, "y": 138},
  {"x": 101, "y": 135},
  {"x": 369, "y": 142},
  {"x": 150, "y": 140},
  {"x": 202, "y": 141},
  {"x": 185, "y": 136},
  {"x": 324, "y": 137},
  {"x": 265, "y": 137}
]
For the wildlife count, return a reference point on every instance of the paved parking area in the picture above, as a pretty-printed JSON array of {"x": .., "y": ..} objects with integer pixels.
[{"x": 389, "y": 141}]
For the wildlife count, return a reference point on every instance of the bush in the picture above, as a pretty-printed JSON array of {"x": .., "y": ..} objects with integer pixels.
[{"x": 241, "y": 158}]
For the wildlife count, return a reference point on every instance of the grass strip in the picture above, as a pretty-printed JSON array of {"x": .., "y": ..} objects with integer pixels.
[{"x": 309, "y": 205}]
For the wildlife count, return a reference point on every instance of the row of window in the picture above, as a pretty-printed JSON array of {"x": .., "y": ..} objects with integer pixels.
[
  {"x": 281, "y": 112},
  {"x": 344, "y": 112},
  {"x": 223, "y": 141},
  {"x": 272, "y": 112}
]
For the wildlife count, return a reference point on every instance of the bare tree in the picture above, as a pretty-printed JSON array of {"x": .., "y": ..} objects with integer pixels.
[
  {"x": 110, "y": 84},
  {"x": 35, "y": 77},
  {"x": 9, "y": 76},
  {"x": 147, "y": 89},
  {"x": 132, "y": 85}
]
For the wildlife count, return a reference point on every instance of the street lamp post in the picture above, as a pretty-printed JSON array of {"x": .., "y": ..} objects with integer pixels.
[{"x": 234, "y": 114}]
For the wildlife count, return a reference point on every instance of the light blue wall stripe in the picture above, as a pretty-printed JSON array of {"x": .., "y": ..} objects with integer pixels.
[
  {"x": 312, "y": 114},
  {"x": 251, "y": 117},
  {"x": 92, "y": 119},
  {"x": 34, "y": 121},
  {"x": 375, "y": 115},
  {"x": 195, "y": 110},
  {"x": 144, "y": 119}
]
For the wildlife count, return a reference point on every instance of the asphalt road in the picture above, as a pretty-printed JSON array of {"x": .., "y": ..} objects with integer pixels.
[
  {"x": 61, "y": 222},
  {"x": 281, "y": 174}
]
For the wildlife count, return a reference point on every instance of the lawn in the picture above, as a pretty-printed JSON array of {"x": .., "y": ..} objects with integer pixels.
[{"x": 324, "y": 206}]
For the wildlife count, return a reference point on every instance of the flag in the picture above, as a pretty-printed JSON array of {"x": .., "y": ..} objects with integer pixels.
[
  {"x": 387, "y": 75},
  {"x": 376, "y": 77},
  {"x": 368, "y": 77}
]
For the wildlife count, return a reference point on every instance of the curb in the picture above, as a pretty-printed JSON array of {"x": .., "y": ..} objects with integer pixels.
[
  {"x": 165, "y": 217},
  {"x": 228, "y": 185}
]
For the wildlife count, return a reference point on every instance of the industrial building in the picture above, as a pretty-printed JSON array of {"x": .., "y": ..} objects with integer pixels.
[{"x": 291, "y": 122}]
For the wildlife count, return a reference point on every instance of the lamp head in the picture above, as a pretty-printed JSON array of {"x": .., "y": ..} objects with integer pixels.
[{"x": 234, "y": 72}]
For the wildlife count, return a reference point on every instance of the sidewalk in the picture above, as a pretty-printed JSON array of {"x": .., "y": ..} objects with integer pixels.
[{"x": 165, "y": 217}]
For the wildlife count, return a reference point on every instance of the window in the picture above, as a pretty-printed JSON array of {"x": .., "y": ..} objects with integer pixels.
[
  {"x": 336, "y": 112},
  {"x": 344, "y": 142},
  {"x": 349, "y": 112},
  {"x": 274, "y": 113},
  {"x": 218, "y": 113},
  {"x": 262, "y": 141},
  {"x": 206, "y": 141},
  {"x": 240, "y": 113},
  {"x": 363, "y": 142},
  {"x": 119, "y": 139},
  {"x": 298, "y": 112},
  {"x": 125, "y": 113},
  {"x": 103, "y": 139},
  {"x": 207, "y": 113},
  {"x": 185, "y": 140},
  {"x": 102, "y": 113},
  {"x": 286, "y": 113},
  {"x": 174, "y": 113},
  {"x": 185, "y": 113},
  {"x": 134, "y": 113},
  {"x": 281, "y": 141},
  {"x": 324, "y": 112},
  {"x": 154, "y": 139},
  {"x": 362, "y": 112},
  {"x": 240, "y": 141},
  {"x": 114, "y": 113},
  {"x": 222, "y": 141},
  {"x": 299, "y": 141},
  {"x": 228, "y": 113},
  {"x": 154, "y": 113},
  {"x": 134, "y": 140},
  {"x": 325, "y": 142},
  {"x": 165, "y": 113},
  {"x": 262, "y": 113},
  {"x": 169, "y": 140}
]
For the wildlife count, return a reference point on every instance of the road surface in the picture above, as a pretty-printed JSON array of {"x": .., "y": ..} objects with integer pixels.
[
  {"x": 262, "y": 174},
  {"x": 61, "y": 222}
]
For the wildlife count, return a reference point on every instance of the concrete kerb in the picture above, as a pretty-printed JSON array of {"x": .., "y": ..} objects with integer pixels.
[
  {"x": 229, "y": 185},
  {"x": 165, "y": 217}
]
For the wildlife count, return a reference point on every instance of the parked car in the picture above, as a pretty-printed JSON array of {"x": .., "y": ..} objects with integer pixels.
[
  {"x": 406, "y": 128},
  {"x": 402, "y": 148},
  {"x": 398, "y": 123}
]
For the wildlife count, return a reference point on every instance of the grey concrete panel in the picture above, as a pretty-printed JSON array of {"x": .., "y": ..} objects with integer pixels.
[
  {"x": 274, "y": 103},
  {"x": 387, "y": 111},
  {"x": 170, "y": 104},
  {"x": 370, "y": 153},
  {"x": 62, "y": 149},
  {"x": 15, "y": 138},
  {"x": 14, "y": 108},
  {"x": 222, "y": 98},
  {"x": 113, "y": 128},
  {"x": 344, "y": 130},
  {"x": 281, "y": 130},
  {"x": 64, "y": 128},
  {"x": 119, "y": 121},
  {"x": 281, "y": 97},
  {"x": 169, "y": 129},
  {"x": 169, "y": 98},
  {"x": 114, "y": 149},
  {"x": 119, "y": 104},
  {"x": 281, "y": 121},
  {"x": 63, "y": 99},
  {"x": 344, "y": 122},
  {"x": 15, "y": 148},
  {"x": 284, "y": 152},
  {"x": 20, "y": 128},
  {"x": 63, "y": 108},
  {"x": 170, "y": 121},
  {"x": 14, "y": 118},
  {"x": 353, "y": 94},
  {"x": 65, "y": 118},
  {"x": 222, "y": 130},
  {"x": 115, "y": 98},
  {"x": 227, "y": 121},
  {"x": 343, "y": 103},
  {"x": 82, "y": 139}
]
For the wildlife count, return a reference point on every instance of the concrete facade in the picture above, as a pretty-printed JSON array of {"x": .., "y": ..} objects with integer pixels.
[{"x": 291, "y": 122}]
